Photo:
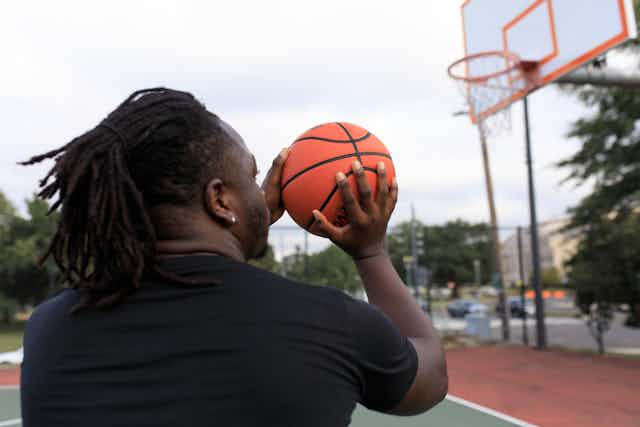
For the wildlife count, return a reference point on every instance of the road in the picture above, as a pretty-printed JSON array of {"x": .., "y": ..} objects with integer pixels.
[
  {"x": 573, "y": 333},
  {"x": 567, "y": 332}
]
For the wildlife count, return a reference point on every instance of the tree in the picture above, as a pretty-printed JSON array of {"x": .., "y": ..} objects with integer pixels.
[
  {"x": 449, "y": 250},
  {"x": 606, "y": 269},
  {"x": 551, "y": 278},
  {"x": 24, "y": 241},
  {"x": 610, "y": 157},
  {"x": 329, "y": 267},
  {"x": 267, "y": 262},
  {"x": 610, "y": 152}
]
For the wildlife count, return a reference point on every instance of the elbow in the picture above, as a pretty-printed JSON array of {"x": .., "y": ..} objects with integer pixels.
[
  {"x": 440, "y": 384},
  {"x": 443, "y": 387}
]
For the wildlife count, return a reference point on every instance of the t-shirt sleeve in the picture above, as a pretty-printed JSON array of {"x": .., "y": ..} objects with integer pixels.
[{"x": 386, "y": 359}]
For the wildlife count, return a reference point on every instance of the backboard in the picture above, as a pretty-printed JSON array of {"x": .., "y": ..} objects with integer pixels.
[{"x": 558, "y": 35}]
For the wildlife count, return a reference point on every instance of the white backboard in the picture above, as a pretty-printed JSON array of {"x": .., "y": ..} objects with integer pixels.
[{"x": 561, "y": 35}]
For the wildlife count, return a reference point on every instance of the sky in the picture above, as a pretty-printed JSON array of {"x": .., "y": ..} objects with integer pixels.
[{"x": 272, "y": 70}]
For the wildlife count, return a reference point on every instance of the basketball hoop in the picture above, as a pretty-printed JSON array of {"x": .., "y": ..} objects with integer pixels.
[{"x": 489, "y": 82}]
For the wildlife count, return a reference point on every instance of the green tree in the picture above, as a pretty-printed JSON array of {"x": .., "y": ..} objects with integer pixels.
[
  {"x": 267, "y": 262},
  {"x": 449, "y": 250},
  {"x": 606, "y": 267},
  {"x": 609, "y": 157},
  {"x": 610, "y": 151},
  {"x": 551, "y": 278},
  {"x": 23, "y": 243},
  {"x": 329, "y": 267}
]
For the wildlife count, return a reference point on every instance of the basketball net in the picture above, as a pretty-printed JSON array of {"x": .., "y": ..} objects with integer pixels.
[{"x": 488, "y": 82}]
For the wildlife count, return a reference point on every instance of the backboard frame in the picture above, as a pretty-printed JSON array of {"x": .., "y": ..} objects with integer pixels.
[{"x": 627, "y": 30}]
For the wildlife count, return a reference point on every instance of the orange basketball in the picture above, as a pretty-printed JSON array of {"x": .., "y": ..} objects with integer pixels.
[{"x": 309, "y": 174}]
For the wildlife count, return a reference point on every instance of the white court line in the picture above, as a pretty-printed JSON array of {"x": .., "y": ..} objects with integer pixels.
[
  {"x": 489, "y": 411},
  {"x": 9, "y": 387},
  {"x": 13, "y": 422}
]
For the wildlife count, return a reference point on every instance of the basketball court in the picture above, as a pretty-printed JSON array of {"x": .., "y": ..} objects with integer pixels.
[{"x": 512, "y": 48}]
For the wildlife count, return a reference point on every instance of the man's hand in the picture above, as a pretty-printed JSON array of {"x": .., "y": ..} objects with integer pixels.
[
  {"x": 364, "y": 236},
  {"x": 272, "y": 184}
]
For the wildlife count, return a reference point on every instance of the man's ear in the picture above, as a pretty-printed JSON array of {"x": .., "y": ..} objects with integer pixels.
[{"x": 217, "y": 202}]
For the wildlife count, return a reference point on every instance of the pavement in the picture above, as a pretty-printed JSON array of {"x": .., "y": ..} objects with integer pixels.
[{"x": 564, "y": 332}]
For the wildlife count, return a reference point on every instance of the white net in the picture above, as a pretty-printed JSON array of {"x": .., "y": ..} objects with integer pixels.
[{"x": 489, "y": 83}]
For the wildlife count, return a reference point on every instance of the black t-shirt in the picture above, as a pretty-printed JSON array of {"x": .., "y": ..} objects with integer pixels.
[{"x": 255, "y": 350}]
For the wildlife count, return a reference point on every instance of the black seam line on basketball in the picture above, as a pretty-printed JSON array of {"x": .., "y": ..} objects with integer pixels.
[
  {"x": 333, "y": 191},
  {"x": 353, "y": 142},
  {"x": 333, "y": 159},
  {"x": 337, "y": 141}
]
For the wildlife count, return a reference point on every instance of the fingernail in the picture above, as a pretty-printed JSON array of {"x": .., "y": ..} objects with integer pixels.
[
  {"x": 394, "y": 182},
  {"x": 357, "y": 165},
  {"x": 284, "y": 153},
  {"x": 381, "y": 166},
  {"x": 316, "y": 215},
  {"x": 340, "y": 176}
]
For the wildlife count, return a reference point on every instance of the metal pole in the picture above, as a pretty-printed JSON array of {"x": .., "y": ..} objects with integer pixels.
[
  {"x": 428, "y": 293},
  {"x": 497, "y": 268},
  {"x": 535, "y": 244},
  {"x": 414, "y": 253},
  {"x": 525, "y": 331},
  {"x": 282, "y": 263},
  {"x": 603, "y": 77},
  {"x": 306, "y": 255}
]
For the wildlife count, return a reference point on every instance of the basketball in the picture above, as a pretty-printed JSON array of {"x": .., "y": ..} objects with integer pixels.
[{"x": 315, "y": 157}]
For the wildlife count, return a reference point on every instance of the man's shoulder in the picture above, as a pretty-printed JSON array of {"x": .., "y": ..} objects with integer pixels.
[{"x": 57, "y": 303}]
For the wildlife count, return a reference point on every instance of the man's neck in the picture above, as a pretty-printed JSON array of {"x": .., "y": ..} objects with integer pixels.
[{"x": 183, "y": 231}]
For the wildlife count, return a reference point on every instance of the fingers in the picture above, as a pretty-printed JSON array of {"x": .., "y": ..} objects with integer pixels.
[
  {"x": 271, "y": 186},
  {"x": 328, "y": 229},
  {"x": 393, "y": 197},
  {"x": 272, "y": 180},
  {"x": 383, "y": 187},
  {"x": 348, "y": 200},
  {"x": 364, "y": 190}
]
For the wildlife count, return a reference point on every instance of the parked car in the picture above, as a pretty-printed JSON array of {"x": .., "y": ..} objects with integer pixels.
[
  {"x": 461, "y": 307},
  {"x": 515, "y": 307}
]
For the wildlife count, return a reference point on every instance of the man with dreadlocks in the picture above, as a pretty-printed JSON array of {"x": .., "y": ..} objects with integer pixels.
[{"x": 161, "y": 321}]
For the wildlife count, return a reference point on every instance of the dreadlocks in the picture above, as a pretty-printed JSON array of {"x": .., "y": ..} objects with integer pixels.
[{"x": 160, "y": 146}]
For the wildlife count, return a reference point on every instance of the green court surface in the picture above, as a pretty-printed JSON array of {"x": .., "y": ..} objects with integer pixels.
[{"x": 452, "y": 412}]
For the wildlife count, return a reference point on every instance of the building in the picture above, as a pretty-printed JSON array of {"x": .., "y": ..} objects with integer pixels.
[{"x": 556, "y": 248}]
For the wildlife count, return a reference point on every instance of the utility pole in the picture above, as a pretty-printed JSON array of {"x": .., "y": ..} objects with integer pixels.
[{"x": 495, "y": 241}]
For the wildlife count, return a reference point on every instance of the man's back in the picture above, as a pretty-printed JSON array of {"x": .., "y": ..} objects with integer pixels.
[{"x": 254, "y": 350}]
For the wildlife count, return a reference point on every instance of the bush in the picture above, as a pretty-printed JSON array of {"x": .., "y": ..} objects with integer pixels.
[{"x": 8, "y": 308}]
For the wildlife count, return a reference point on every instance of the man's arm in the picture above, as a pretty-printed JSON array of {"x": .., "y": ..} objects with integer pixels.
[
  {"x": 385, "y": 289},
  {"x": 363, "y": 239}
]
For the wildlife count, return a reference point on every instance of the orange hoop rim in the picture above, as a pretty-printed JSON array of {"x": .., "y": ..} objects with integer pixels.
[{"x": 509, "y": 57}]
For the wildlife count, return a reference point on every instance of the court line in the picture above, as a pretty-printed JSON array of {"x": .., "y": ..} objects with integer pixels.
[
  {"x": 13, "y": 422},
  {"x": 9, "y": 387},
  {"x": 490, "y": 411}
]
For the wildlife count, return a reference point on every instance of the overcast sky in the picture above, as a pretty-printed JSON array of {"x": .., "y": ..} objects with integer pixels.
[{"x": 274, "y": 69}]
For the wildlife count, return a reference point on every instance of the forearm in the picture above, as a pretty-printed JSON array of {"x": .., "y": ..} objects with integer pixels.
[{"x": 386, "y": 290}]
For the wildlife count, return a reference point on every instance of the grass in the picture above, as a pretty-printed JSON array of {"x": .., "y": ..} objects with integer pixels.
[{"x": 11, "y": 336}]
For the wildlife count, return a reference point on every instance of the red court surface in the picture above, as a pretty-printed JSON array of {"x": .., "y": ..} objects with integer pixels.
[
  {"x": 9, "y": 375},
  {"x": 550, "y": 388}
]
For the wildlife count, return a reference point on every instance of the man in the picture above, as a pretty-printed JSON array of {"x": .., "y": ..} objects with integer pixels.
[{"x": 163, "y": 323}]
